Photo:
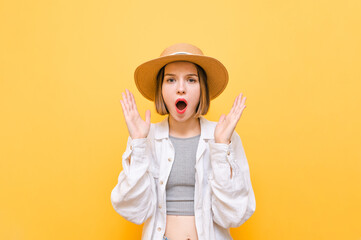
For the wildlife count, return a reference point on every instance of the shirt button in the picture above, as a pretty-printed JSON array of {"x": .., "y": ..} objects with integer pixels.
[
  {"x": 228, "y": 153},
  {"x": 160, "y": 206},
  {"x": 159, "y": 229},
  {"x": 131, "y": 147},
  {"x": 161, "y": 182},
  {"x": 169, "y": 159}
]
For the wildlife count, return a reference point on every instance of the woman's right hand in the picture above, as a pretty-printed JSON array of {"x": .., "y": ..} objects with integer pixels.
[{"x": 137, "y": 127}]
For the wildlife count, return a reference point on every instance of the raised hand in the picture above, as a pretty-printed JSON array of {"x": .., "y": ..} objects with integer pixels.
[
  {"x": 227, "y": 123},
  {"x": 137, "y": 127}
]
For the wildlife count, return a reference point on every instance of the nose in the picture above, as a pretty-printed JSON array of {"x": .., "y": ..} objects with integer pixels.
[{"x": 181, "y": 87}]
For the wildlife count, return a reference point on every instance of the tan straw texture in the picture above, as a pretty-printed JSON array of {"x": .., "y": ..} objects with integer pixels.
[{"x": 145, "y": 74}]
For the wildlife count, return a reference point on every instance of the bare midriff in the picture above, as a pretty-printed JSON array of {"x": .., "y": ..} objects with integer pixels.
[{"x": 181, "y": 228}]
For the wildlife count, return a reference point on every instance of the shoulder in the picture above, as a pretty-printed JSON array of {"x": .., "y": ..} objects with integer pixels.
[
  {"x": 159, "y": 129},
  {"x": 208, "y": 128},
  {"x": 207, "y": 125}
]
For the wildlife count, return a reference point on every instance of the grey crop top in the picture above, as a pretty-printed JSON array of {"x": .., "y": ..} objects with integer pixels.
[{"x": 181, "y": 181}]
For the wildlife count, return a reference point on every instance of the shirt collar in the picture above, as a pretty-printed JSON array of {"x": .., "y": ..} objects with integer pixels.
[{"x": 162, "y": 129}]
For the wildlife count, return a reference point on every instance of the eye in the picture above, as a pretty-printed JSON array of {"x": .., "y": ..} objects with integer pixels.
[
  {"x": 192, "y": 80},
  {"x": 170, "y": 80}
]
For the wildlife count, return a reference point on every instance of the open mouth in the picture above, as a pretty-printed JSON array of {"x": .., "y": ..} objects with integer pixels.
[{"x": 181, "y": 105}]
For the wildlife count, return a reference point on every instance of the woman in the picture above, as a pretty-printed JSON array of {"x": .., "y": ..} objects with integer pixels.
[{"x": 185, "y": 177}]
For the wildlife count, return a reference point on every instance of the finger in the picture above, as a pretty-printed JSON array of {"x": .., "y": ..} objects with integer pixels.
[
  {"x": 222, "y": 118},
  {"x": 239, "y": 100},
  {"x": 234, "y": 105},
  {"x": 243, "y": 101},
  {"x": 125, "y": 101},
  {"x": 235, "y": 101},
  {"x": 240, "y": 111},
  {"x": 147, "y": 117},
  {"x": 124, "y": 110},
  {"x": 133, "y": 101},
  {"x": 129, "y": 99},
  {"x": 239, "y": 104},
  {"x": 242, "y": 104}
]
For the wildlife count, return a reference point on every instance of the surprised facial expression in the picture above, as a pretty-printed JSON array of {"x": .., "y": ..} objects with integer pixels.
[{"x": 181, "y": 89}]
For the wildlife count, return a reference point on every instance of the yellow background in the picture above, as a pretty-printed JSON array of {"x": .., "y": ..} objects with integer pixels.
[{"x": 64, "y": 64}]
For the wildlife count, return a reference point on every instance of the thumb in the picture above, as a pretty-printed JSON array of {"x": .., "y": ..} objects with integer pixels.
[
  {"x": 147, "y": 116},
  {"x": 221, "y": 119}
]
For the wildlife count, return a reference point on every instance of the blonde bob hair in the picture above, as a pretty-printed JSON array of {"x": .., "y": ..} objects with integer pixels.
[{"x": 204, "y": 100}]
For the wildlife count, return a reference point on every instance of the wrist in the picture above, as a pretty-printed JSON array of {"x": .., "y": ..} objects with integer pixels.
[
  {"x": 224, "y": 141},
  {"x": 137, "y": 136}
]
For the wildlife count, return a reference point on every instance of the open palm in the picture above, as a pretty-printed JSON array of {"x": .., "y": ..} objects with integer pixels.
[
  {"x": 137, "y": 127},
  {"x": 227, "y": 123}
]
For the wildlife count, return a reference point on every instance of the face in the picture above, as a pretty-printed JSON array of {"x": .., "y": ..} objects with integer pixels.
[{"x": 181, "y": 90}]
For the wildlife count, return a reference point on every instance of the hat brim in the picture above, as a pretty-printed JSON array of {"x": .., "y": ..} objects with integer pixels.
[{"x": 145, "y": 74}]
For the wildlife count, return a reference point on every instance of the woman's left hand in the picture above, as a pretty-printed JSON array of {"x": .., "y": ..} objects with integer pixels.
[{"x": 227, "y": 123}]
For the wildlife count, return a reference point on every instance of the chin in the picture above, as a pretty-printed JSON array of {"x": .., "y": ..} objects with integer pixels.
[{"x": 182, "y": 118}]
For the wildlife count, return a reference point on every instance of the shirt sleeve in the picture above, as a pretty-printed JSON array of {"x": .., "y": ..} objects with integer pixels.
[
  {"x": 134, "y": 196},
  {"x": 233, "y": 200}
]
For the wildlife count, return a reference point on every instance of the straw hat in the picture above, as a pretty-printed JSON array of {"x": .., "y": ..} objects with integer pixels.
[{"x": 145, "y": 75}]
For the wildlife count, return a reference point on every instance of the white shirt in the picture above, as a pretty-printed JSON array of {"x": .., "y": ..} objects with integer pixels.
[{"x": 220, "y": 201}]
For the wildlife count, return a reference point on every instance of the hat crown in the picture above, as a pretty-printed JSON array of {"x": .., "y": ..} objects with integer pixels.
[
  {"x": 146, "y": 74},
  {"x": 181, "y": 48}
]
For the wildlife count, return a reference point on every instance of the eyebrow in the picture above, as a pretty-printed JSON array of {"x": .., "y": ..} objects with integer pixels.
[{"x": 171, "y": 74}]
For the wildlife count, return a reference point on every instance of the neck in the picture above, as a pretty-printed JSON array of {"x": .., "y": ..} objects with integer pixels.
[{"x": 188, "y": 128}]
